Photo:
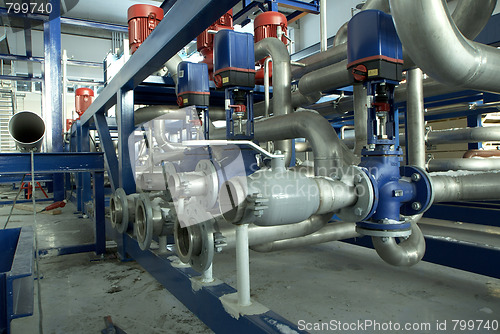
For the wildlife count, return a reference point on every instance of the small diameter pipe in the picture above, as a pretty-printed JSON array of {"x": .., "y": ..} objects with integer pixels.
[
  {"x": 266, "y": 86},
  {"x": 207, "y": 275},
  {"x": 162, "y": 243},
  {"x": 323, "y": 25},
  {"x": 243, "y": 265},
  {"x": 415, "y": 144}
]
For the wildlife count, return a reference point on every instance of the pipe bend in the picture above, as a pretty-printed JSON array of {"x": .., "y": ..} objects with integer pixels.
[
  {"x": 434, "y": 42},
  {"x": 408, "y": 252}
]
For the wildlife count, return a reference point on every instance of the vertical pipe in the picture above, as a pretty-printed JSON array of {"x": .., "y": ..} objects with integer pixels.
[
  {"x": 360, "y": 117},
  {"x": 266, "y": 87},
  {"x": 207, "y": 276},
  {"x": 323, "y": 26},
  {"x": 415, "y": 144},
  {"x": 162, "y": 244},
  {"x": 242, "y": 265}
]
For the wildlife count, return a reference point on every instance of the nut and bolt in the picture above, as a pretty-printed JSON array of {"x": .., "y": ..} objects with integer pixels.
[
  {"x": 415, "y": 177},
  {"x": 416, "y": 206},
  {"x": 358, "y": 211}
]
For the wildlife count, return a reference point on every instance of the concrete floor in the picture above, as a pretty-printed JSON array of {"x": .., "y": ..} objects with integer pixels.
[{"x": 317, "y": 284}]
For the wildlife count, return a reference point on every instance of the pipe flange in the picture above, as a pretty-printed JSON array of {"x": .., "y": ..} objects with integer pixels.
[
  {"x": 168, "y": 171},
  {"x": 194, "y": 243},
  {"x": 384, "y": 233},
  {"x": 363, "y": 182},
  {"x": 211, "y": 181},
  {"x": 143, "y": 226},
  {"x": 122, "y": 217},
  {"x": 423, "y": 189}
]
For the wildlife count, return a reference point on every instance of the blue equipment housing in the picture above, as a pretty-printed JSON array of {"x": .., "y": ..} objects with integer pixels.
[
  {"x": 192, "y": 84},
  {"x": 234, "y": 63},
  {"x": 374, "y": 50}
]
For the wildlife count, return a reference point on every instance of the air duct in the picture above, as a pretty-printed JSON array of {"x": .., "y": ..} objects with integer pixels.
[{"x": 27, "y": 129}]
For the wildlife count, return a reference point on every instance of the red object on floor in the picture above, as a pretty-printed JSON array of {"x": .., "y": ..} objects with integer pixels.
[
  {"x": 27, "y": 186},
  {"x": 56, "y": 205}
]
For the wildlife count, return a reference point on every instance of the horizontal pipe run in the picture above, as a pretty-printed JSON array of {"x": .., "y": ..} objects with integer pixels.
[
  {"x": 263, "y": 234},
  {"x": 331, "y": 232},
  {"x": 480, "y": 165},
  {"x": 458, "y": 186}
]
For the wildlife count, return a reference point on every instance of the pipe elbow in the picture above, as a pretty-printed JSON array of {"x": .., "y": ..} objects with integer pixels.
[{"x": 406, "y": 253}]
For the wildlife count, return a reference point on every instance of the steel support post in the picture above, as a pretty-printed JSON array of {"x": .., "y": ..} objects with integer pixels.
[
  {"x": 52, "y": 106},
  {"x": 99, "y": 219},
  {"x": 474, "y": 121},
  {"x": 108, "y": 148},
  {"x": 125, "y": 121}
]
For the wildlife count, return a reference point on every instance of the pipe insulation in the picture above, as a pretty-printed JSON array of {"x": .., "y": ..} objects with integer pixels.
[{"x": 434, "y": 42}]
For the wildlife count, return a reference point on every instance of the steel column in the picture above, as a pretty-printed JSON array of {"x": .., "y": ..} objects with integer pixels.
[
  {"x": 108, "y": 148},
  {"x": 125, "y": 121}
]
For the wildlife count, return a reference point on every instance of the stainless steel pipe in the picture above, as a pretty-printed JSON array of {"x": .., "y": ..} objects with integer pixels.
[
  {"x": 331, "y": 232},
  {"x": 465, "y": 187},
  {"x": 360, "y": 118},
  {"x": 434, "y": 42},
  {"x": 480, "y": 165},
  {"x": 27, "y": 129},
  {"x": 465, "y": 135},
  {"x": 415, "y": 122},
  {"x": 282, "y": 77}
]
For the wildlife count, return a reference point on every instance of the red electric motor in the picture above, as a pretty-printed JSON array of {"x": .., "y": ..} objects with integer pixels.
[
  {"x": 142, "y": 19},
  {"x": 83, "y": 99},
  {"x": 205, "y": 40},
  {"x": 267, "y": 25}
]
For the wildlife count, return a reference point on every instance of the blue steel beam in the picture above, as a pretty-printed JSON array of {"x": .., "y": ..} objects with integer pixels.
[
  {"x": 205, "y": 302},
  {"x": 20, "y": 163},
  {"x": 125, "y": 121},
  {"x": 186, "y": 20},
  {"x": 53, "y": 89},
  {"x": 307, "y": 7},
  {"x": 28, "y": 40},
  {"x": 108, "y": 148},
  {"x": 167, "y": 4}
]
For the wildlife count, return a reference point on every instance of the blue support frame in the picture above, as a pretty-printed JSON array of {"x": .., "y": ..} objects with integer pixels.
[
  {"x": 59, "y": 163},
  {"x": 204, "y": 303}
]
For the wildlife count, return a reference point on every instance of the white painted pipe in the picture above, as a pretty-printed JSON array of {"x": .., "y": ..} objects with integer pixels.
[{"x": 243, "y": 265}]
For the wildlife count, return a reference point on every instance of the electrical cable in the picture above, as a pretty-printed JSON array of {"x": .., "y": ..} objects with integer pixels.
[
  {"x": 14, "y": 203},
  {"x": 37, "y": 265}
]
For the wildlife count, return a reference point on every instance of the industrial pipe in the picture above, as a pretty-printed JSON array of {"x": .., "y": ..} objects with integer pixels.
[
  {"x": 465, "y": 135},
  {"x": 323, "y": 31},
  {"x": 415, "y": 123},
  {"x": 435, "y": 165},
  {"x": 327, "y": 147},
  {"x": 331, "y": 232},
  {"x": 465, "y": 187},
  {"x": 434, "y": 42},
  {"x": 327, "y": 78},
  {"x": 149, "y": 113},
  {"x": 27, "y": 129},
  {"x": 171, "y": 66},
  {"x": 405, "y": 253},
  {"x": 282, "y": 77},
  {"x": 263, "y": 234},
  {"x": 475, "y": 153}
]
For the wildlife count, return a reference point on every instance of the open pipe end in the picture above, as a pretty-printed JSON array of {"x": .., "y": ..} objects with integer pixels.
[{"x": 27, "y": 129}]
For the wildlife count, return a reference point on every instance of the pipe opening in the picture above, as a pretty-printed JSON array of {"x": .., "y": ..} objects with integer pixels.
[
  {"x": 27, "y": 129},
  {"x": 183, "y": 241},
  {"x": 140, "y": 221}
]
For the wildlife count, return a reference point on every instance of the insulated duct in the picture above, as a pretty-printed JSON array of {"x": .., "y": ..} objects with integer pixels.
[{"x": 27, "y": 129}]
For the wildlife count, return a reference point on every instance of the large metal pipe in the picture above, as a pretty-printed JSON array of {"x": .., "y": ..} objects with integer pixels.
[
  {"x": 471, "y": 16},
  {"x": 465, "y": 187},
  {"x": 298, "y": 100},
  {"x": 465, "y": 135},
  {"x": 436, "y": 165},
  {"x": 331, "y": 232},
  {"x": 405, "y": 253},
  {"x": 434, "y": 42},
  {"x": 263, "y": 234},
  {"x": 282, "y": 77},
  {"x": 415, "y": 123},
  {"x": 146, "y": 114},
  {"x": 27, "y": 129},
  {"x": 171, "y": 66},
  {"x": 327, "y": 147},
  {"x": 327, "y": 78}
]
